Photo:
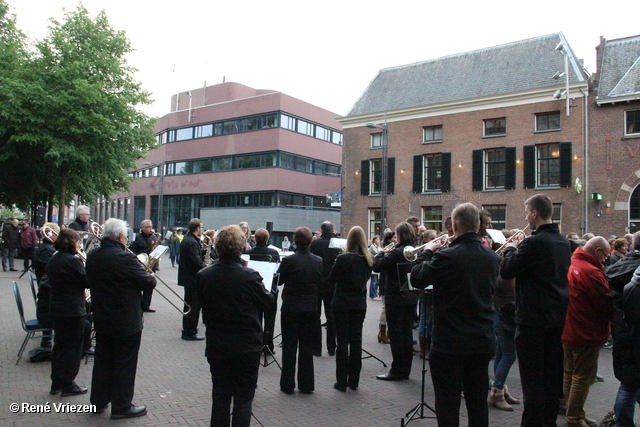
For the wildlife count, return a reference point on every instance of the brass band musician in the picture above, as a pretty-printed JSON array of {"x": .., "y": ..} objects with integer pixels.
[{"x": 145, "y": 241}]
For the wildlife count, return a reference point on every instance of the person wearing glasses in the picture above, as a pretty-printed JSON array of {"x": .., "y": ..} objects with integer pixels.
[
  {"x": 191, "y": 261},
  {"x": 81, "y": 222},
  {"x": 144, "y": 241}
]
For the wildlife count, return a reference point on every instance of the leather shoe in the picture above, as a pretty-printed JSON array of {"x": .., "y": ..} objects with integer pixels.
[
  {"x": 133, "y": 412},
  {"x": 192, "y": 337},
  {"x": 389, "y": 376},
  {"x": 12, "y": 269},
  {"x": 286, "y": 391},
  {"x": 340, "y": 387},
  {"x": 590, "y": 421},
  {"x": 148, "y": 310},
  {"x": 74, "y": 390},
  {"x": 306, "y": 391},
  {"x": 55, "y": 389},
  {"x": 101, "y": 410}
]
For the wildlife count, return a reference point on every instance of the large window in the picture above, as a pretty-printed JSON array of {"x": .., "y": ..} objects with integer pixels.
[
  {"x": 547, "y": 121},
  {"x": 634, "y": 210},
  {"x": 375, "y": 223},
  {"x": 432, "y": 217},
  {"x": 495, "y": 127},
  {"x": 432, "y": 134},
  {"x": 548, "y": 165},
  {"x": 494, "y": 167},
  {"x": 498, "y": 215},
  {"x": 632, "y": 122},
  {"x": 432, "y": 172},
  {"x": 376, "y": 176},
  {"x": 556, "y": 216}
]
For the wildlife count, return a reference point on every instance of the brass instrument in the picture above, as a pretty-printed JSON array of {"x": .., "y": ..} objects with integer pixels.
[
  {"x": 389, "y": 247},
  {"x": 50, "y": 234},
  {"x": 144, "y": 260},
  {"x": 517, "y": 234},
  {"x": 208, "y": 242},
  {"x": 411, "y": 253}
]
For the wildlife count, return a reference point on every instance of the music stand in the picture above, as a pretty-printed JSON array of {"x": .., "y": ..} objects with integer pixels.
[
  {"x": 31, "y": 269},
  {"x": 371, "y": 356}
]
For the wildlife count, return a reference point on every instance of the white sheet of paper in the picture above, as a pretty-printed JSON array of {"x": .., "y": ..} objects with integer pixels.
[
  {"x": 159, "y": 251},
  {"x": 266, "y": 270},
  {"x": 496, "y": 236}
]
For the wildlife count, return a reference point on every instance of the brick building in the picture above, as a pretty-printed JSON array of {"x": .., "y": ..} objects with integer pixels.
[
  {"x": 614, "y": 138},
  {"x": 231, "y": 153},
  {"x": 493, "y": 126}
]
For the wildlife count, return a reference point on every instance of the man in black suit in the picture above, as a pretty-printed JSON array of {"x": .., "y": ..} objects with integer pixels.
[
  {"x": 320, "y": 247},
  {"x": 190, "y": 263},
  {"x": 117, "y": 279},
  {"x": 144, "y": 241}
]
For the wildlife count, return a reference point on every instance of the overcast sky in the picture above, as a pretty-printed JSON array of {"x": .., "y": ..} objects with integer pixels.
[{"x": 323, "y": 52}]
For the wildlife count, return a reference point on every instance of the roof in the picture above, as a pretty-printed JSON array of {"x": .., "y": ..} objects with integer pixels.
[
  {"x": 513, "y": 67},
  {"x": 619, "y": 73}
]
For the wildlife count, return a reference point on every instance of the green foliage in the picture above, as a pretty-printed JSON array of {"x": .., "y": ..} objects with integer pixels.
[{"x": 72, "y": 126}]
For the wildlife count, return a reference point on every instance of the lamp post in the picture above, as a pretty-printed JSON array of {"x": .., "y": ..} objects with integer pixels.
[
  {"x": 385, "y": 171},
  {"x": 160, "y": 191},
  {"x": 560, "y": 48}
]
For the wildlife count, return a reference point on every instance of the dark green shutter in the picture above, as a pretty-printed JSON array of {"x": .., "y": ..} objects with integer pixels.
[
  {"x": 391, "y": 175},
  {"x": 446, "y": 173},
  {"x": 364, "y": 178},
  {"x": 510, "y": 169},
  {"x": 529, "y": 166},
  {"x": 417, "y": 173},
  {"x": 565, "y": 164},
  {"x": 478, "y": 170}
]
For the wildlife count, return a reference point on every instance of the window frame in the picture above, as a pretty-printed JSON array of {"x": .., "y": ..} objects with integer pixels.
[
  {"x": 488, "y": 165},
  {"x": 539, "y": 161},
  {"x": 435, "y": 222},
  {"x": 375, "y": 173},
  {"x": 431, "y": 129},
  {"x": 376, "y": 137},
  {"x": 636, "y": 121},
  {"x": 375, "y": 217},
  {"x": 496, "y": 219},
  {"x": 547, "y": 115},
  {"x": 496, "y": 133},
  {"x": 433, "y": 169}
]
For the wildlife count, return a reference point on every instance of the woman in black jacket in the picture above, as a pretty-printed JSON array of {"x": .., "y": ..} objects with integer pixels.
[
  {"x": 399, "y": 305},
  {"x": 300, "y": 274},
  {"x": 350, "y": 274},
  {"x": 67, "y": 307}
]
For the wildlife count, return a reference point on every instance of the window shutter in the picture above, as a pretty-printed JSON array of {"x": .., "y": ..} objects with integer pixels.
[
  {"x": 446, "y": 173},
  {"x": 478, "y": 170},
  {"x": 529, "y": 166},
  {"x": 510, "y": 169},
  {"x": 364, "y": 178},
  {"x": 417, "y": 173},
  {"x": 391, "y": 175},
  {"x": 565, "y": 164}
]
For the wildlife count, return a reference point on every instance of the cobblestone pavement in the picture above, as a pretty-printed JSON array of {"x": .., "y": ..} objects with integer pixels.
[{"x": 173, "y": 380}]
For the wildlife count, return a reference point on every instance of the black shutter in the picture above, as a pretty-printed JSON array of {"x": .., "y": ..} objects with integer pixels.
[
  {"x": 364, "y": 178},
  {"x": 391, "y": 175},
  {"x": 565, "y": 164},
  {"x": 510, "y": 169},
  {"x": 417, "y": 173},
  {"x": 478, "y": 170},
  {"x": 529, "y": 166},
  {"x": 446, "y": 173}
]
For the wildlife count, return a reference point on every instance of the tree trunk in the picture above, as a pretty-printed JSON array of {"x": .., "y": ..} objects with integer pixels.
[
  {"x": 50, "y": 206},
  {"x": 63, "y": 201}
]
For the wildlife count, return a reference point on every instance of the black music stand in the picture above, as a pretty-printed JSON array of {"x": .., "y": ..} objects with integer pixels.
[
  {"x": 371, "y": 356},
  {"x": 266, "y": 351},
  {"x": 31, "y": 268}
]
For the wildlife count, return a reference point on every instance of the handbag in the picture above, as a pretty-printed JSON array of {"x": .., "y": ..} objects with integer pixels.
[{"x": 507, "y": 315}]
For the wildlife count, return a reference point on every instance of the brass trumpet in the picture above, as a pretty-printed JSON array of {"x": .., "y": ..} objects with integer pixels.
[
  {"x": 501, "y": 249},
  {"x": 411, "y": 253},
  {"x": 389, "y": 247}
]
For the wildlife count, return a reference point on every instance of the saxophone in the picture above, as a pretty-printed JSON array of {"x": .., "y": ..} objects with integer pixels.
[{"x": 208, "y": 242}]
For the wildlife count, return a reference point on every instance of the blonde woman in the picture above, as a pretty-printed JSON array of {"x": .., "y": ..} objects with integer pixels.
[{"x": 350, "y": 274}]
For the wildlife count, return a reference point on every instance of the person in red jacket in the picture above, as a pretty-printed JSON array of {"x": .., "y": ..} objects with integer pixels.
[
  {"x": 28, "y": 243},
  {"x": 587, "y": 325}
]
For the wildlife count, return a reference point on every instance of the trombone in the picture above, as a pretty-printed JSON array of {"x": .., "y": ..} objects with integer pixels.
[
  {"x": 97, "y": 230},
  {"x": 411, "y": 253},
  {"x": 518, "y": 233}
]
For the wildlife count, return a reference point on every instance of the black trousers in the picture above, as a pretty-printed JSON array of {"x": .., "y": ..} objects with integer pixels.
[
  {"x": 453, "y": 374},
  {"x": 67, "y": 350},
  {"x": 269, "y": 327},
  {"x": 233, "y": 378},
  {"x": 325, "y": 298},
  {"x": 29, "y": 256},
  {"x": 191, "y": 320},
  {"x": 297, "y": 335},
  {"x": 146, "y": 298},
  {"x": 114, "y": 371},
  {"x": 400, "y": 331},
  {"x": 540, "y": 359},
  {"x": 349, "y": 351}
]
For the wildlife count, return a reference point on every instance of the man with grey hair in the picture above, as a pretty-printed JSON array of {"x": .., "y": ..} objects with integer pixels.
[
  {"x": 117, "y": 280},
  {"x": 145, "y": 240},
  {"x": 463, "y": 277},
  {"x": 82, "y": 219}
]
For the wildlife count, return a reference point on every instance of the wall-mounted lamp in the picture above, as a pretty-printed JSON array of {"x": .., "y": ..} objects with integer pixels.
[
  {"x": 518, "y": 161},
  {"x": 402, "y": 170},
  {"x": 459, "y": 165},
  {"x": 596, "y": 196},
  {"x": 357, "y": 173},
  {"x": 575, "y": 157}
]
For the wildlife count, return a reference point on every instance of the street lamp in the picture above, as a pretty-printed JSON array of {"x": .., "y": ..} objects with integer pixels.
[
  {"x": 160, "y": 191},
  {"x": 558, "y": 94},
  {"x": 385, "y": 171}
]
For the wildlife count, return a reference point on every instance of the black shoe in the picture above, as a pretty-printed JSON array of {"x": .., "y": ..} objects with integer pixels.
[
  {"x": 340, "y": 387},
  {"x": 133, "y": 412},
  {"x": 286, "y": 390},
  {"x": 74, "y": 390},
  {"x": 353, "y": 387},
  {"x": 389, "y": 376},
  {"x": 12, "y": 269},
  {"x": 332, "y": 352},
  {"x": 318, "y": 354},
  {"x": 306, "y": 391},
  {"x": 90, "y": 351},
  {"x": 192, "y": 337},
  {"x": 4, "y": 269},
  {"x": 101, "y": 410},
  {"x": 148, "y": 310},
  {"x": 55, "y": 389}
]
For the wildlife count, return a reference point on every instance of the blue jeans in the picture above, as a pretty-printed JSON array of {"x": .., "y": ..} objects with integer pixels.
[
  {"x": 373, "y": 287},
  {"x": 505, "y": 353},
  {"x": 625, "y": 405}
]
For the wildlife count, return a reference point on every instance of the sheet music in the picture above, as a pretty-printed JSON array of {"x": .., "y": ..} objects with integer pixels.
[
  {"x": 159, "y": 251},
  {"x": 266, "y": 270},
  {"x": 496, "y": 236}
]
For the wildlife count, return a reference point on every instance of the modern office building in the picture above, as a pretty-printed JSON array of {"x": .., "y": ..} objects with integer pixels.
[
  {"x": 493, "y": 126},
  {"x": 229, "y": 153}
]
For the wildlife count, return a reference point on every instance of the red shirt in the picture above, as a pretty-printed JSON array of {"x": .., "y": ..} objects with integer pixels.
[{"x": 590, "y": 303}]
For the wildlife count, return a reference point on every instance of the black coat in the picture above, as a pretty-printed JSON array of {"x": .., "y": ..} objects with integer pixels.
[
  {"x": 391, "y": 266},
  {"x": 626, "y": 341},
  {"x": 117, "y": 280},
  {"x": 68, "y": 280},
  {"x": 233, "y": 298},
  {"x": 79, "y": 225},
  {"x": 143, "y": 243},
  {"x": 320, "y": 247},
  {"x": 350, "y": 274},
  {"x": 463, "y": 277},
  {"x": 10, "y": 237},
  {"x": 262, "y": 252},
  {"x": 300, "y": 274},
  {"x": 621, "y": 273},
  {"x": 190, "y": 261},
  {"x": 43, "y": 255},
  {"x": 540, "y": 266}
]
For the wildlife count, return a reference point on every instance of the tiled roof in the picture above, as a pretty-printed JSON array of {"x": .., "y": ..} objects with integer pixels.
[
  {"x": 509, "y": 68},
  {"x": 619, "y": 73}
]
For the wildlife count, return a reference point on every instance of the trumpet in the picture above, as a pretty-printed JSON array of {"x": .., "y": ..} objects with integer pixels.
[
  {"x": 389, "y": 247},
  {"x": 145, "y": 261},
  {"x": 517, "y": 234},
  {"x": 411, "y": 253}
]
